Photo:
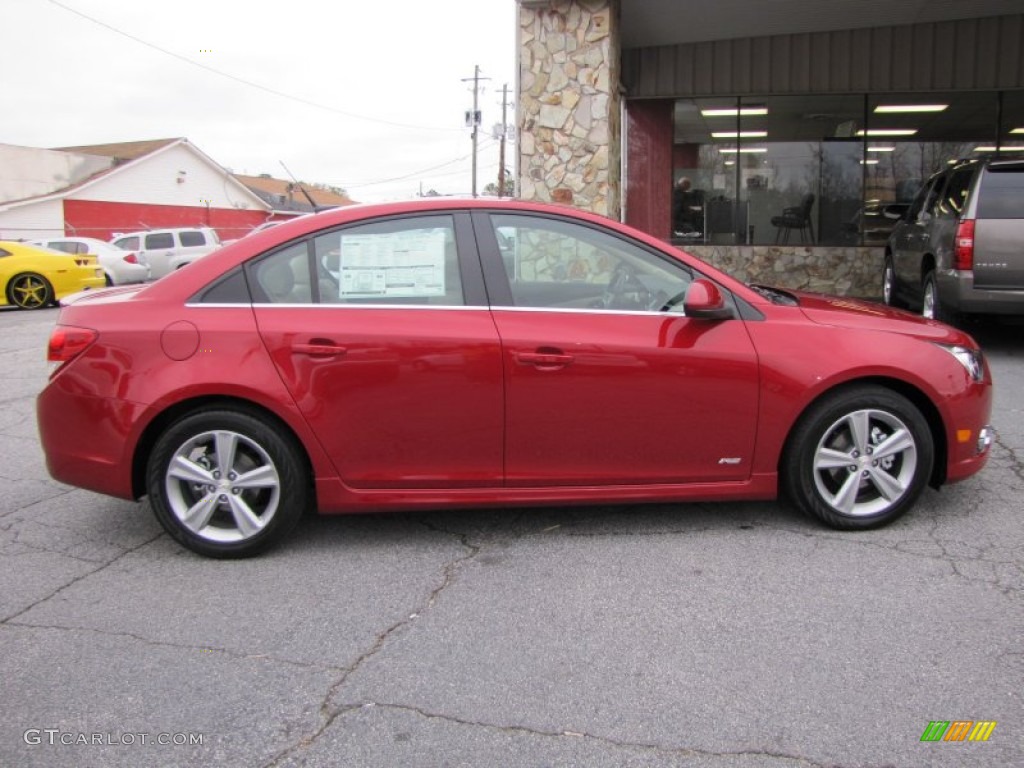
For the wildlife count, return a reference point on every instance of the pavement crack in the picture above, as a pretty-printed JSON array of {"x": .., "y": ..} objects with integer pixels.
[
  {"x": 329, "y": 715},
  {"x": 79, "y": 578},
  {"x": 177, "y": 646},
  {"x": 61, "y": 492},
  {"x": 571, "y": 733},
  {"x": 1016, "y": 464}
]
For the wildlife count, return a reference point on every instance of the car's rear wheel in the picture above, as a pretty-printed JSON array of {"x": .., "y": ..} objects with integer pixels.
[
  {"x": 29, "y": 291},
  {"x": 224, "y": 483},
  {"x": 931, "y": 306},
  {"x": 859, "y": 458},
  {"x": 889, "y": 284}
]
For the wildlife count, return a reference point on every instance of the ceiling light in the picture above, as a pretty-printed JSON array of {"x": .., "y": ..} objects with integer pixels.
[
  {"x": 896, "y": 108},
  {"x": 742, "y": 112},
  {"x": 739, "y": 135},
  {"x": 881, "y": 149},
  {"x": 744, "y": 150},
  {"x": 887, "y": 132},
  {"x": 730, "y": 162},
  {"x": 1017, "y": 130},
  {"x": 1000, "y": 149},
  {"x": 869, "y": 162}
]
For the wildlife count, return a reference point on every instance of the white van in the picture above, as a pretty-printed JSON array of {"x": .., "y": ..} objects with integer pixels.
[{"x": 166, "y": 250}]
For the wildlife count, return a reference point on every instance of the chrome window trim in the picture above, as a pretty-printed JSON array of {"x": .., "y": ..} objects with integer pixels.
[
  {"x": 435, "y": 307},
  {"x": 271, "y": 305},
  {"x": 575, "y": 311}
]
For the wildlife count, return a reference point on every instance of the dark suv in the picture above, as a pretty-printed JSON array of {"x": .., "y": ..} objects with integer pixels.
[{"x": 960, "y": 247}]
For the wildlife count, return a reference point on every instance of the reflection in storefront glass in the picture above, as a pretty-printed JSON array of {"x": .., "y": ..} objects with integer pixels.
[{"x": 833, "y": 170}]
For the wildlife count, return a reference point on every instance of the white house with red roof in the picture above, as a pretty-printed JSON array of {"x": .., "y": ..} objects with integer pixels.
[{"x": 100, "y": 190}]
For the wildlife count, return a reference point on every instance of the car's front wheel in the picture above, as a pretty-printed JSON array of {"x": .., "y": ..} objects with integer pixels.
[
  {"x": 225, "y": 483},
  {"x": 859, "y": 458}
]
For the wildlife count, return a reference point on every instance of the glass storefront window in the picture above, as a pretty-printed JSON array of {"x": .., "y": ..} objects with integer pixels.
[
  {"x": 1011, "y": 129},
  {"x": 823, "y": 169}
]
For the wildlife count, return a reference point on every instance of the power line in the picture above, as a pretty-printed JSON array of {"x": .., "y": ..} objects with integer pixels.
[
  {"x": 350, "y": 185},
  {"x": 280, "y": 94}
]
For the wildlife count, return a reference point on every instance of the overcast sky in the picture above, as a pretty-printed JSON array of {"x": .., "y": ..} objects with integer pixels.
[{"x": 365, "y": 94}]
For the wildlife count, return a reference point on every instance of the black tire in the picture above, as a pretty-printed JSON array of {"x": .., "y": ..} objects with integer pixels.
[
  {"x": 207, "y": 509},
  {"x": 29, "y": 290},
  {"x": 834, "y": 468},
  {"x": 932, "y": 306},
  {"x": 889, "y": 288}
]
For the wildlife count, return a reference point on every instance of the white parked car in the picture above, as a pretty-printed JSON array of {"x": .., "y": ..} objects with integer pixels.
[
  {"x": 120, "y": 268},
  {"x": 166, "y": 250}
]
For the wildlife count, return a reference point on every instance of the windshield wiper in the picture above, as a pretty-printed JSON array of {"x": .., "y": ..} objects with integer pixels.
[{"x": 774, "y": 295}]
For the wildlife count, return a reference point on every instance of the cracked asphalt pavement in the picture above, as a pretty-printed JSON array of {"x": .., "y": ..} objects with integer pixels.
[{"x": 722, "y": 635}]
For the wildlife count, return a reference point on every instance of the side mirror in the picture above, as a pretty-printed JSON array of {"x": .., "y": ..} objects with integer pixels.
[{"x": 704, "y": 301}]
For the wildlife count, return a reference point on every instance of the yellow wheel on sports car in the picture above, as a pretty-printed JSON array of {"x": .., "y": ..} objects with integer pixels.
[{"x": 29, "y": 291}]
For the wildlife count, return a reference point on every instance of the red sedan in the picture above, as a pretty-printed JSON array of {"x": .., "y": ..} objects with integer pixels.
[{"x": 482, "y": 353}]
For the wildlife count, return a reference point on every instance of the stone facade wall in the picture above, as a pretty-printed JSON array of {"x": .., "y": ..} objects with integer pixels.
[
  {"x": 844, "y": 271},
  {"x": 569, "y": 104}
]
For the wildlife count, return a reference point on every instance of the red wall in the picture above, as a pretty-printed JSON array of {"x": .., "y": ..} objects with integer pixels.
[
  {"x": 88, "y": 218},
  {"x": 649, "y": 166}
]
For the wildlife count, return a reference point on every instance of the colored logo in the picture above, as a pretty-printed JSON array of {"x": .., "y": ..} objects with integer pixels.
[{"x": 958, "y": 730}]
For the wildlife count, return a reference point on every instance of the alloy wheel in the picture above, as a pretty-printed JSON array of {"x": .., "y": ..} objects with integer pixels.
[
  {"x": 865, "y": 463},
  {"x": 223, "y": 486}
]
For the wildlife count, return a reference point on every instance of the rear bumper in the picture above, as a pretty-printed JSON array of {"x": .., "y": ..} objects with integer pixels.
[
  {"x": 956, "y": 290},
  {"x": 100, "y": 463}
]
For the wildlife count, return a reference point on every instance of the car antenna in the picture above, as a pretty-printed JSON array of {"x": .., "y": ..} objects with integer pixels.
[{"x": 297, "y": 183}]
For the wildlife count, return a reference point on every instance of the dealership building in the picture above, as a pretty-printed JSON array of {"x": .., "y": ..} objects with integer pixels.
[{"x": 777, "y": 139}]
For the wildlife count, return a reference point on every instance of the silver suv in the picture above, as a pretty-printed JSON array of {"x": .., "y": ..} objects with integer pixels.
[
  {"x": 166, "y": 250},
  {"x": 960, "y": 247}
]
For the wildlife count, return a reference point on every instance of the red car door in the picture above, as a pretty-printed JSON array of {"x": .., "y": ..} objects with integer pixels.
[
  {"x": 606, "y": 381},
  {"x": 388, "y": 351}
]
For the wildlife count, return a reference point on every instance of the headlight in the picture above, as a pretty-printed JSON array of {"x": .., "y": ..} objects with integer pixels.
[{"x": 970, "y": 359}]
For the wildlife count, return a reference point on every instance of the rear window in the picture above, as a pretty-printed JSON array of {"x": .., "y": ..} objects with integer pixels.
[
  {"x": 1002, "y": 192},
  {"x": 128, "y": 243},
  {"x": 63, "y": 246},
  {"x": 192, "y": 238}
]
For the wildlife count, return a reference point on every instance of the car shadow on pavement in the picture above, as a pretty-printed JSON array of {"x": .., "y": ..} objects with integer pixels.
[{"x": 483, "y": 525}]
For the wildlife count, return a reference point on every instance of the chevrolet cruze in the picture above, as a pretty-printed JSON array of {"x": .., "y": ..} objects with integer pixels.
[{"x": 456, "y": 353}]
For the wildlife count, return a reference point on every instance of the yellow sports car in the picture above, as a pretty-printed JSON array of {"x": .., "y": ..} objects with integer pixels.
[{"x": 33, "y": 277}]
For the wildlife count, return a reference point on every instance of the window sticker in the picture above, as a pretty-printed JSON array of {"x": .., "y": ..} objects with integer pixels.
[{"x": 394, "y": 265}]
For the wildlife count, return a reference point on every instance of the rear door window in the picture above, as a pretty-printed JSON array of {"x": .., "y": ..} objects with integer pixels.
[
  {"x": 189, "y": 239},
  {"x": 955, "y": 197},
  {"x": 159, "y": 240}
]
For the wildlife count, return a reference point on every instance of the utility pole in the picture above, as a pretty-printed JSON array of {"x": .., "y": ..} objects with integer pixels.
[
  {"x": 504, "y": 133},
  {"x": 473, "y": 118}
]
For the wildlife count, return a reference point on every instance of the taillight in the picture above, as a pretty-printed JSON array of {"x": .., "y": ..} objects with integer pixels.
[
  {"x": 67, "y": 342},
  {"x": 130, "y": 258},
  {"x": 963, "y": 251}
]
